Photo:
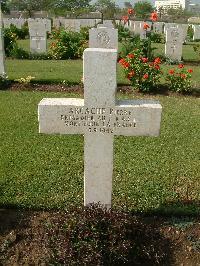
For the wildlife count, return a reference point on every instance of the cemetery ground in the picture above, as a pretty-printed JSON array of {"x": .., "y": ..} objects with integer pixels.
[
  {"x": 155, "y": 189},
  {"x": 156, "y": 195}
]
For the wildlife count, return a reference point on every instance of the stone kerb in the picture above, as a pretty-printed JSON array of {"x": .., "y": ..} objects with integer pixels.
[
  {"x": 38, "y": 36},
  {"x": 174, "y": 42},
  {"x": 99, "y": 116},
  {"x": 103, "y": 37}
]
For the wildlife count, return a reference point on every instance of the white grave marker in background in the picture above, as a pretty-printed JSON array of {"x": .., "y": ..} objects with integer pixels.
[
  {"x": 103, "y": 38},
  {"x": 38, "y": 36},
  {"x": 99, "y": 116},
  {"x": 174, "y": 43},
  {"x": 196, "y": 35}
]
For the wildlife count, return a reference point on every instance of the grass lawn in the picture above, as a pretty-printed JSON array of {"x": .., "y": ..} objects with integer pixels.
[
  {"x": 69, "y": 70},
  {"x": 43, "y": 171}
]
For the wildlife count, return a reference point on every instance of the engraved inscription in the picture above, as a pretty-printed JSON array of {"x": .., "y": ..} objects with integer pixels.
[
  {"x": 103, "y": 38},
  {"x": 97, "y": 119}
]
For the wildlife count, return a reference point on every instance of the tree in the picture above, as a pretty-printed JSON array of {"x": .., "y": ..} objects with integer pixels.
[
  {"x": 71, "y": 4},
  {"x": 106, "y": 7},
  {"x": 31, "y": 5},
  {"x": 4, "y": 6},
  {"x": 143, "y": 9},
  {"x": 127, "y": 5}
]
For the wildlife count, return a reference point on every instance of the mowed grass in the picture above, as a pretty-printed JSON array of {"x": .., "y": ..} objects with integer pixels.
[
  {"x": 150, "y": 173},
  {"x": 71, "y": 71}
]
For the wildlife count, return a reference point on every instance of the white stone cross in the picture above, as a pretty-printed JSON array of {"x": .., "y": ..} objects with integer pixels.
[{"x": 99, "y": 116}]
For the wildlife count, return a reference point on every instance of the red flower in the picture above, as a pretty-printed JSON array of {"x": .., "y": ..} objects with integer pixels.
[
  {"x": 145, "y": 26},
  {"x": 181, "y": 66},
  {"x": 157, "y": 67},
  {"x": 144, "y": 59},
  {"x": 171, "y": 71},
  {"x": 130, "y": 56},
  {"x": 131, "y": 74},
  {"x": 190, "y": 70},
  {"x": 154, "y": 16},
  {"x": 183, "y": 76},
  {"x": 157, "y": 60},
  {"x": 130, "y": 11},
  {"x": 146, "y": 76},
  {"x": 125, "y": 18},
  {"x": 127, "y": 65},
  {"x": 122, "y": 61}
]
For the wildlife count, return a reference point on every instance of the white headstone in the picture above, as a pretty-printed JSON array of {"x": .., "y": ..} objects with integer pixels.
[
  {"x": 106, "y": 24},
  {"x": 103, "y": 38},
  {"x": 184, "y": 29},
  {"x": 196, "y": 35},
  {"x": 72, "y": 25},
  {"x": 99, "y": 117},
  {"x": 38, "y": 36},
  {"x": 174, "y": 42},
  {"x": 47, "y": 23},
  {"x": 158, "y": 27},
  {"x": 169, "y": 25},
  {"x": 56, "y": 23}
]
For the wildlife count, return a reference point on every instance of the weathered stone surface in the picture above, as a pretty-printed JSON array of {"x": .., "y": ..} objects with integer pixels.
[
  {"x": 103, "y": 38},
  {"x": 106, "y": 24},
  {"x": 99, "y": 117},
  {"x": 72, "y": 25},
  {"x": 38, "y": 36},
  {"x": 196, "y": 35},
  {"x": 174, "y": 42},
  {"x": 158, "y": 27}
]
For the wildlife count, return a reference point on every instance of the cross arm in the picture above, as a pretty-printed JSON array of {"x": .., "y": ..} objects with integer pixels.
[
  {"x": 53, "y": 116},
  {"x": 137, "y": 118}
]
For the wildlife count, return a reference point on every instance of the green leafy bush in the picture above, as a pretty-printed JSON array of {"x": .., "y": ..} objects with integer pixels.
[
  {"x": 18, "y": 53},
  {"x": 157, "y": 37},
  {"x": 10, "y": 41},
  {"x": 128, "y": 40},
  {"x": 179, "y": 79},
  {"x": 196, "y": 48},
  {"x": 4, "y": 82},
  {"x": 190, "y": 33},
  {"x": 143, "y": 75},
  {"x": 67, "y": 45},
  {"x": 22, "y": 33}
]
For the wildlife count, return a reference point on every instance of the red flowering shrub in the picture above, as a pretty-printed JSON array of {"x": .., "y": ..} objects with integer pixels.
[
  {"x": 179, "y": 79},
  {"x": 154, "y": 16},
  {"x": 142, "y": 74},
  {"x": 130, "y": 11},
  {"x": 67, "y": 44},
  {"x": 146, "y": 26}
]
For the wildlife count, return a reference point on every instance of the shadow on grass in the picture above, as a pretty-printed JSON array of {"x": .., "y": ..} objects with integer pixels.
[{"x": 189, "y": 208}]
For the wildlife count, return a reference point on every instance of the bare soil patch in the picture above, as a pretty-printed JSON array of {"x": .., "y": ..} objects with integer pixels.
[{"x": 25, "y": 238}]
